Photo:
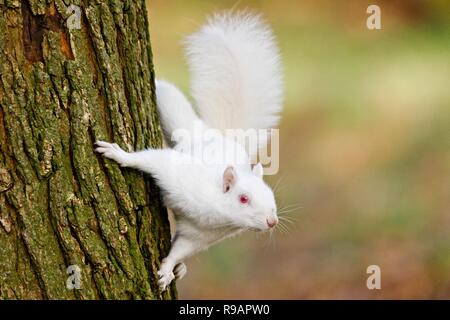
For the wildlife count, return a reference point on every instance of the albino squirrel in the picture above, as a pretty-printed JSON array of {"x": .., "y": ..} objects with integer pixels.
[{"x": 236, "y": 83}]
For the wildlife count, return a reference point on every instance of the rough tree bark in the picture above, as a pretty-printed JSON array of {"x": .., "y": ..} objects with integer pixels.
[{"x": 60, "y": 203}]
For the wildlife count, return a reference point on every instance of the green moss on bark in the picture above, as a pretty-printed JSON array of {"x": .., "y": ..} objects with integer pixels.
[{"x": 60, "y": 203}]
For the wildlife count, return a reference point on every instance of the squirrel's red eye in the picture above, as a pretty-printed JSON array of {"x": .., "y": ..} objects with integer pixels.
[{"x": 243, "y": 198}]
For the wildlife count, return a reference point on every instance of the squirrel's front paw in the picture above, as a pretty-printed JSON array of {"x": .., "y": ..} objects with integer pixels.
[
  {"x": 165, "y": 278},
  {"x": 112, "y": 151}
]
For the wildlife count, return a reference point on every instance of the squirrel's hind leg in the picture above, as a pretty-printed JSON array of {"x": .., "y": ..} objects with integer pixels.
[{"x": 172, "y": 266}]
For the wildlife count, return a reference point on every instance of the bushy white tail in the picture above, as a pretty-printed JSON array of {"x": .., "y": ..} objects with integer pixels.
[{"x": 235, "y": 72}]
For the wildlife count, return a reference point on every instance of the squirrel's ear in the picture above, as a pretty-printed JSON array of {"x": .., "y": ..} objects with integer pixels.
[
  {"x": 258, "y": 170},
  {"x": 229, "y": 178}
]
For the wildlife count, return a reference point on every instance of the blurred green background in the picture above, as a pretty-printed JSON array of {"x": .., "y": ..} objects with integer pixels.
[{"x": 365, "y": 151}]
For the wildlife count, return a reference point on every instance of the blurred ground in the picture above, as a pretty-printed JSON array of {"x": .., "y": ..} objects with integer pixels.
[{"x": 365, "y": 150}]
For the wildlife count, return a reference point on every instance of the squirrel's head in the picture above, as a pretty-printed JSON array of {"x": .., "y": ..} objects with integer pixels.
[{"x": 249, "y": 199}]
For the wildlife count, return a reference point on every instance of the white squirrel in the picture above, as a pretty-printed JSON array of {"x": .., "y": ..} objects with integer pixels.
[{"x": 236, "y": 83}]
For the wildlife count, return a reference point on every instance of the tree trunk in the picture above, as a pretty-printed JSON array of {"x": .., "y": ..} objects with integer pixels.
[{"x": 62, "y": 87}]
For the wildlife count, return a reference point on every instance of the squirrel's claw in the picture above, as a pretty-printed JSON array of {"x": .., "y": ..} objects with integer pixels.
[
  {"x": 180, "y": 271},
  {"x": 165, "y": 278},
  {"x": 112, "y": 151}
]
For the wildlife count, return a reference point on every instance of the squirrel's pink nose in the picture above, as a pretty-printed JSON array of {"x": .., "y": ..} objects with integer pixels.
[{"x": 272, "y": 221}]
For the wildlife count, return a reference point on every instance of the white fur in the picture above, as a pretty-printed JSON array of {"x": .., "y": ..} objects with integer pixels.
[
  {"x": 174, "y": 109},
  {"x": 236, "y": 84},
  {"x": 235, "y": 71}
]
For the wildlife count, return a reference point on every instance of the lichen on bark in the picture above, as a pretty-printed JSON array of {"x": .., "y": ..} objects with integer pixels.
[{"x": 60, "y": 203}]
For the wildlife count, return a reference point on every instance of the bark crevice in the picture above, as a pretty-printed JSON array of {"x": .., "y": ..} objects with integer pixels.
[{"x": 36, "y": 26}]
